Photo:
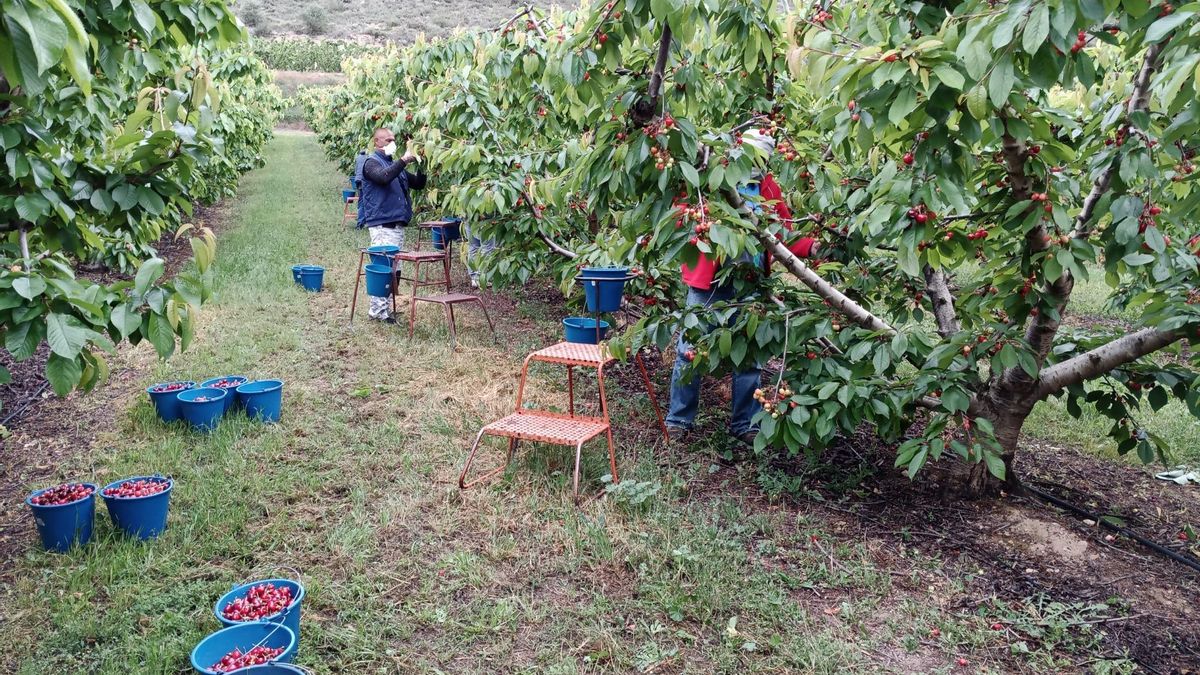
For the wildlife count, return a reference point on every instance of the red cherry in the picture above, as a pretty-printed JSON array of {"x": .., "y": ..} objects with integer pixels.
[{"x": 908, "y": 158}]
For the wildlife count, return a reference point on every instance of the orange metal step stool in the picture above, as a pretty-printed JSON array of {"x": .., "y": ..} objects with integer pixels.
[{"x": 544, "y": 426}]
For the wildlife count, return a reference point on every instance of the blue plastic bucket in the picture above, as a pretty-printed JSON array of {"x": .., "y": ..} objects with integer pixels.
[
  {"x": 603, "y": 295},
  {"x": 141, "y": 517},
  {"x": 64, "y": 525},
  {"x": 202, "y": 415},
  {"x": 296, "y": 272},
  {"x": 244, "y": 637},
  {"x": 312, "y": 277},
  {"x": 230, "y": 401},
  {"x": 382, "y": 254},
  {"x": 165, "y": 403},
  {"x": 582, "y": 329},
  {"x": 262, "y": 399},
  {"x": 379, "y": 281},
  {"x": 605, "y": 272},
  {"x": 289, "y": 617},
  {"x": 447, "y": 233},
  {"x": 347, "y": 195}
]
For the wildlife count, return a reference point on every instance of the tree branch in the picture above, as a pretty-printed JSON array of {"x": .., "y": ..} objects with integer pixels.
[
  {"x": 836, "y": 298},
  {"x": 1100, "y": 360},
  {"x": 537, "y": 215},
  {"x": 943, "y": 302},
  {"x": 660, "y": 65},
  {"x": 1138, "y": 100},
  {"x": 557, "y": 248},
  {"x": 24, "y": 243}
]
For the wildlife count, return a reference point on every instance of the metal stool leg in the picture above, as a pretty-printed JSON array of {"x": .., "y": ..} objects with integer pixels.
[
  {"x": 452, "y": 324},
  {"x": 653, "y": 399},
  {"x": 357, "y": 279},
  {"x": 463, "y": 484},
  {"x": 578, "y": 456},
  {"x": 487, "y": 316}
]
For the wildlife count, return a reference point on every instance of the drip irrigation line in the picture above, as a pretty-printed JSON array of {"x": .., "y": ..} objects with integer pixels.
[
  {"x": 28, "y": 402},
  {"x": 1189, "y": 561}
]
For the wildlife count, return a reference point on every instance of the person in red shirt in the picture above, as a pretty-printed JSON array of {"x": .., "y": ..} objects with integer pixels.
[{"x": 766, "y": 198}]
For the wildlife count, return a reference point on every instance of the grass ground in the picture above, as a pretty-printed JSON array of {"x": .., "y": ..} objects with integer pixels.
[{"x": 688, "y": 570}]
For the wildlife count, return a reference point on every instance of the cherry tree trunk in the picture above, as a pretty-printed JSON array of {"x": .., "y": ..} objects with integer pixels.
[{"x": 1007, "y": 411}]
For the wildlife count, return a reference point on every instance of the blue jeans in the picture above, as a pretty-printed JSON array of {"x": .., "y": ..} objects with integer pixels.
[
  {"x": 475, "y": 248},
  {"x": 685, "y": 396}
]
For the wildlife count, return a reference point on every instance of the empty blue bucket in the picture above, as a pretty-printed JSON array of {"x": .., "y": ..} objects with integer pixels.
[
  {"x": 289, "y": 617},
  {"x": 347, "y": 195},
  {"x": 604, "y": 272},
  {"x": 202, "y": 415},
  {"x": 141, "y": 517},
  {"x": 603, "y": 295},
  {"x": 234, "y": 381},
  {"x": 382, "y": 254},
  {"x": 66, "y": 524},
  {"x": 582, "y": 329},
  {"x": 244, "y": 637},
  {"x": 165, "y": 403},
  {"x": 447, "y": 233},
  {"x": 262, "y": 399},
  {"x": 312, "y": 277},
  {"x": 379, "y": 280}
]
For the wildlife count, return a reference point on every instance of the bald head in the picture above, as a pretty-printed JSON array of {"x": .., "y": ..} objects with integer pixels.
[{"x": 382, "y": 137}]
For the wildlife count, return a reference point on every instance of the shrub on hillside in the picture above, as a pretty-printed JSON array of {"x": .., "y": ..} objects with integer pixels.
[{"x": 314, "y": 19}]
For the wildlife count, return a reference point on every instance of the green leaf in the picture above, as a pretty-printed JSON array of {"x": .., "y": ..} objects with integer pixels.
[
  {"x": 63, "y": 374},
  {"x": 125, "y": 320},
  {"x": 1037, "y": 28},
  {"x": 948, "y": 76},
  {"x": 150, "y": 271},
  {"x": 29, "y": 287},
  {"x": 690, "y": 174},
  {"x": 995, "y": 464},
  {"x": 1000, "y": 82},
  {"x": 145, "y": 16},
  {"x": 161, "y": 335},
  {"x": 977, "y": 102},
  {"x": 1163, "y": 27},
  {"x": 46, "y": 32},
  {"x": 66, "y": 335}
]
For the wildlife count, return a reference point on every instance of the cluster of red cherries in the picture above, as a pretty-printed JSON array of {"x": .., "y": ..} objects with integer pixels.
[
  {"x": 163, "y": 388},
  {"x": 263, "y": 600},
  {"x": 688, "y": 214},
  {"x": 237, "y": 659},
  {"x": 136, "y": 488},
  {"x": 662, "y": 158},
  {"x": 770, "y": 401},
  {"x": 225, "y": 383},
  {"x": 66, "y": 493}
]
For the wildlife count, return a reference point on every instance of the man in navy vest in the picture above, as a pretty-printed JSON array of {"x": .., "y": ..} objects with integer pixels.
[{"x": 384, "y": 204}]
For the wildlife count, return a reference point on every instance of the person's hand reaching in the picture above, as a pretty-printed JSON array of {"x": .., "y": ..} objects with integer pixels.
[{"x": 410, "y": 154}]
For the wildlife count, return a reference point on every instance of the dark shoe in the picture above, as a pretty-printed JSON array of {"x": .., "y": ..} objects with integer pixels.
[
  {"x": 747, "y": 438},
  {"x": 385, "y": 319},
  {"x": 677, "y": 434}
]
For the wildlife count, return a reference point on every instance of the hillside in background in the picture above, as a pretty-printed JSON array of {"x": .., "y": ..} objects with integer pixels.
[{"x": 398, "y": 21}]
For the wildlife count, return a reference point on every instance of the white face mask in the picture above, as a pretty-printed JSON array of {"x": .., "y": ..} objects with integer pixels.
[{"x": 390, "y": 149}]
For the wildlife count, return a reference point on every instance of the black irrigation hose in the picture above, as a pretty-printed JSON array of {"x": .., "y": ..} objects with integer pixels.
[
  {"x": 1079, "y": 511},
  {"x": 28, "y": 402}
]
